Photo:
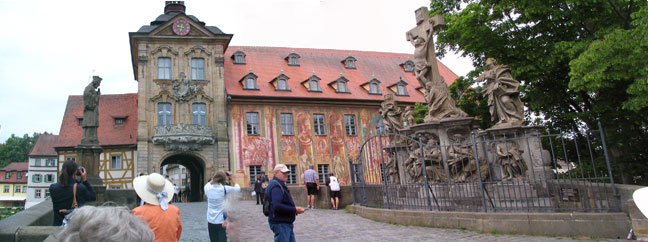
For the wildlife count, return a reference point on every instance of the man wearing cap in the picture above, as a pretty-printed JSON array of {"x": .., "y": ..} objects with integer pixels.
[
  {"x": 282, "y": 207},
  {"x": 163, "y": 218}
]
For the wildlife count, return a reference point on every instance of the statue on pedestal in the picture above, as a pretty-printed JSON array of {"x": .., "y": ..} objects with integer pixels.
[
  {"x": 90, "y": 122},
  {"x": 391, "y": 114},
  {"x": 503, "y": 94},
  {"x": 440, "y": 103}
]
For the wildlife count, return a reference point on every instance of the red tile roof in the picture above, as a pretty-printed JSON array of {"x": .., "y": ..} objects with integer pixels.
[
  {"x": 44, "y": 145},
  {"x": 110, "y": 107},
  {"x": 268, "y": 62},
  {"x": 13, "y": 167}
]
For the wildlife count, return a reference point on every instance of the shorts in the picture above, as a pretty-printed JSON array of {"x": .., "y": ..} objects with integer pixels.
[
  {"x": 335, "y": 194},
  {"x": 312, "y": 188}
]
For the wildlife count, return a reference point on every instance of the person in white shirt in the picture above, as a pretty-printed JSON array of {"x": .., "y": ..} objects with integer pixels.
[
  {"x": 216, "y": 191},
  {"x": 335, "y": 191}
]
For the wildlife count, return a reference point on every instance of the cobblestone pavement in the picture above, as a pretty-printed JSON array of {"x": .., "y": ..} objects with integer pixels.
[{"x": 330, "y": 225}]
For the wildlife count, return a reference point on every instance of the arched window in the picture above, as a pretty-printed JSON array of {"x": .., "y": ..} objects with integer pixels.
[
  {"x": 282, "y": 85},
  {"x": 250, "y": 83},
  {"x": 374, "y": 88},
  {"x": 342, "y": 87},
  {"x": 313, "y": 85},
  {"x": 401, "y": 90}
]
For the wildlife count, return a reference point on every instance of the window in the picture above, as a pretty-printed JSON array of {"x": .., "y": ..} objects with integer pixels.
[
  {"x": 164, "y": 114},
  {"x": 250, "y": 83},
  {"x": 38, "y": 193},
  {"x": 36, "y": 178},
  {"x": 349, "y": 64},
  {"x": 342, "y": 87},
  {"x": 37, "y": 162},
  {"x": 318, "y": 123},
  {"x": 6, "y": 189},
  {"x": 7, "y": 174},
  {"x": 323, "y": 172},
  {"x": 50, "y": 162},
  {"x": 24, "y": 189},
  {"x": 313, "y": 86},
  {"x": 409, "y": 67},
  {"x": 357, "y": 172},
  {"x": 239, "y": 58},
  {"x": 350, "y": 126},
  {"x": 70, "y": 158},
  {"x": 17, "y": 189},
  {"x": 80, "y": 122},
  {"x": 115, "y": 162},
  {"x": 286, "y": 124},
  {"x": 47, "y": 194},
  {"x": 282, "y": 85},
  {"x": 197, "y": 69},
  {"x": 401, "y": 91},
  {"x": 292, "y": 175},
  {"x": 293, "y": 61},
  {"x": 164, "y": 68},
  {"x": 373, "y": 88},
  {"x": 119, "y": 121},
  {"x": 252, "y": 123},
  {"x": 199, "y": 113},
  {"x": 254, "y": 172},
  {"x": 49, "y": 178},
  {"x": 19, "y": 175}
]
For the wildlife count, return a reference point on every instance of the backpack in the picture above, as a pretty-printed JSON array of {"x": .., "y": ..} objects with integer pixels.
[{"x": 268, "y": 200}]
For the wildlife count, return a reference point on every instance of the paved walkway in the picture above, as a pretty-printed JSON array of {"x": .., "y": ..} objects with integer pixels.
[{"x": 329, "y": 225}]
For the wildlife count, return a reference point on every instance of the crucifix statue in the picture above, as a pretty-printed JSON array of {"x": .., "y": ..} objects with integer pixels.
[{"x": 439, "y": 101}]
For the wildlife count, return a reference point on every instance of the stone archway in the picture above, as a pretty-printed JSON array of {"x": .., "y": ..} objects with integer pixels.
[{"x": 196, "y": 171}]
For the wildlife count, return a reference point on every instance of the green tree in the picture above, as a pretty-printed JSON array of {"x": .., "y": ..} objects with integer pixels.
[
  {"x": 470, "y": 100},
  {"x": 579, "y": 61},
  {"x": 16, "y": 149}
]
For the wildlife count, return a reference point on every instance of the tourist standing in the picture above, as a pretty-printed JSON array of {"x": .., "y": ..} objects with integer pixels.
[
  {"x": 62, "y": 193},
  {"x": 335, "y": 191},
  {"x": 264, "y": 185},
  {"x": 163, "y": 218},
  {"x": 216, "y": 192},
  {"x": 312, "y": 186},
  {"x": 282, "y": 207},
  {"x": 257, "y": 190}
]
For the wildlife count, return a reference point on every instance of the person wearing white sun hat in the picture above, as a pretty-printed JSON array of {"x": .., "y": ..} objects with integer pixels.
[{"x": 163, "y": 218}]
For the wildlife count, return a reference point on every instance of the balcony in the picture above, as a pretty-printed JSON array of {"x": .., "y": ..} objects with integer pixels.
[{"x": 183, "y": 137}]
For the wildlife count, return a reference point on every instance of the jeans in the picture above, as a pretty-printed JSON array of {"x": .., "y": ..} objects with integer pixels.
[
  {"x": 283, "y": 232},
  {"x": 216, "y": 232}
]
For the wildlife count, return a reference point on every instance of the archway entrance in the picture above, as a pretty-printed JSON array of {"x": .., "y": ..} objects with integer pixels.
[{"x": 195, "y": 174}]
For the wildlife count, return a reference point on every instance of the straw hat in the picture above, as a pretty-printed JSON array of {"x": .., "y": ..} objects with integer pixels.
[{"x": 156, "y": 183}]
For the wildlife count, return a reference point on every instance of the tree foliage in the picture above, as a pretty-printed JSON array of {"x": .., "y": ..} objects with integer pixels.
[
  {"x": 16, "y": 149},
  {"x": 471, "y": 100},
  {"x": 579, "y": 61}
]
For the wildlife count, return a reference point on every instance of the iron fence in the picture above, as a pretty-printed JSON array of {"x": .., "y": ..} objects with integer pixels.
[{"x": 486, "y": 172}]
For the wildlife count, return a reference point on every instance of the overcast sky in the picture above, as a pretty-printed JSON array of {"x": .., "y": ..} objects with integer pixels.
[{"x": 50, "y": 49}]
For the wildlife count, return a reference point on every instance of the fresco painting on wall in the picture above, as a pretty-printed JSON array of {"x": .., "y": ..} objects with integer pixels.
[{"x": 305, "y": 141}]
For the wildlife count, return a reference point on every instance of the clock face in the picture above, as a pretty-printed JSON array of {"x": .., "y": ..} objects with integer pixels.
[{"x": 181, "y": 27}]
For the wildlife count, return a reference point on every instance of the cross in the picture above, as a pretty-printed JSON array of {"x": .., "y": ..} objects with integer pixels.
[{"x": 421, "y": 37}]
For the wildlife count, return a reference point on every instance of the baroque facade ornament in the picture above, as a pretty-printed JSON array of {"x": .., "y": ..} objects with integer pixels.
[
  {"x": 183, "y": 137},
  {"x": 183, "y": 89}
]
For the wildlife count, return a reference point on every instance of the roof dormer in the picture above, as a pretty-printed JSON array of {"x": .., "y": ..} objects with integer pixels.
[
  {"x": 340, "y": 85},
  {"x": 239, "y": 57},
  {"x": 400, "y": 88},
  {"x": 372, "y": 86},
  {"x": 280, "y": 83},
  {"x": 408, "y": 65},
  {"x": 249, "y": 81},
  {"x": 349, "y": 62},
  {"x": 312, "y": 84},
  {"x": 293, "y": 58}
]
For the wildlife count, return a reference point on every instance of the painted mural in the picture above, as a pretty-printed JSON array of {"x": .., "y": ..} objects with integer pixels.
[{"x": 304, "y": 147}]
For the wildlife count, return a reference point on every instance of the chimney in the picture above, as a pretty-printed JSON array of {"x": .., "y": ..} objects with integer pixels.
[{"x": 174, "y": 6}]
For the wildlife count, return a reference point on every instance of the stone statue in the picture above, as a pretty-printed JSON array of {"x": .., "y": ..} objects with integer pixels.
[
  {"x": 407, "y": 116},
  {"x": 440, "y": 103},
  {"x": 431, "y": 157},
  {"x": 391, "y": 114},
  {"x": 508, "y": 154},
  {"x": 392, "y": 168},
  {"x": 90, "y": 122},
  {"x": 183, "y": 90},
  {"x": 462, "y": 162},
  {"x": 503, "y": 94}
]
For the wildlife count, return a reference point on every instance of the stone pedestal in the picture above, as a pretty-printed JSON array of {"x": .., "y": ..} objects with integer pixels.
[
  {"x": 88, "y": 157},
  {"x": 528, "y": 140}
]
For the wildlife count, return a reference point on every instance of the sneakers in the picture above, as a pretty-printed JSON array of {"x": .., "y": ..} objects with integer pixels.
[{"x": 308, "y": 207}]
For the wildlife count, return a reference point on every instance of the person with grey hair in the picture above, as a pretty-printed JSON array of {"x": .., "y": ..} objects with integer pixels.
[
  {"x": 312, "y": 185},
  {"x": 116, "y": 224},
  {"x": 216, "y": 192}
]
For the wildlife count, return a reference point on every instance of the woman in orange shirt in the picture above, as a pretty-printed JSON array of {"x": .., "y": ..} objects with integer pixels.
[{"x": 163, "y": 218}]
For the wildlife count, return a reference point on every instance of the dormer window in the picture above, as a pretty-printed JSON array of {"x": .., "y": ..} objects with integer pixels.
[
  {"x": 80, "y": 120},
  {"x": 401, "y": 90},
  {"x": 293, "y": 59},
  {"x": 340, "y": 85},
  {"x": 239, "y": 57},
  {"x": 249, "y": 81},
  {"x": 312, "y": 84},
  {"x": 349, "y": 62},
  {"x": 408, "y": 65},
  {"x": 120, "y": 121},
  {"x": 374, "y": 87},
  {"x": 281, "y": 82}
]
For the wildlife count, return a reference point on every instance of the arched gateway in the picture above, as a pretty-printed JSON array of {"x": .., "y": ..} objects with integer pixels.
[{"x": 195, "y": 171}]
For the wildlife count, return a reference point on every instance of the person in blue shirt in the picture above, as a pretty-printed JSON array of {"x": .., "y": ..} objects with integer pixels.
[
  {"x": 62, "y": 191},
  {"x": 282, "y": 207}
]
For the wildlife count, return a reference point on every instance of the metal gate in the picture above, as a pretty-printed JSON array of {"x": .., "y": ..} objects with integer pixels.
[{"x": 488, "y": 174}]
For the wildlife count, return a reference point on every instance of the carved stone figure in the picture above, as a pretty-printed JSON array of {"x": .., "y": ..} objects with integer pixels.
[
  {"x": 392, "y": 168},
  {"x": 407, "y": 116},
  {"x": 503, "y": 94},
  {"x": 508, "y": 154},
  {"x": 462, "y": 162},
  {"x": 183, "y": 90},
  {"x": 391, "y": 114},
  {"x": 433, "y": 162},
  {"x": 440, "y": 104},
  {"x": 90, "y": 122}
]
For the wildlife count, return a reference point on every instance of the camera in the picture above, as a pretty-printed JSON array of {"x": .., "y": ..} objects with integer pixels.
[{"x": 81, "y": 168}]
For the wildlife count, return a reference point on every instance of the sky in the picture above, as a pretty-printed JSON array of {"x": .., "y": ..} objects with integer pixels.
[{"x": 50, "y": 49}]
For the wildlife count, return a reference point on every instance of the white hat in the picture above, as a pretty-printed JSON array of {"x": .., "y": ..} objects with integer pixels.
[
  {"x": 151, "y": 188},
  {"x": 281, "y": 167}
]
